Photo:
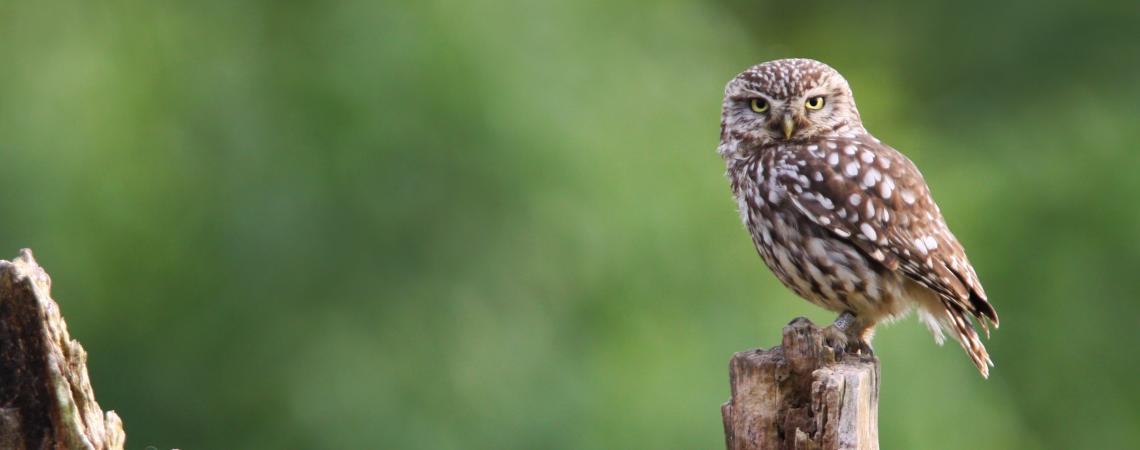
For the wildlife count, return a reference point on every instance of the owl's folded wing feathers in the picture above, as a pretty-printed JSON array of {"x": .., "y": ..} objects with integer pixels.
[{"x": 875, "y": 198}]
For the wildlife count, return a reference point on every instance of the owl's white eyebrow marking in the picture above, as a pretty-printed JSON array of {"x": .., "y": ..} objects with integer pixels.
[{"x": 748, "y": 94}]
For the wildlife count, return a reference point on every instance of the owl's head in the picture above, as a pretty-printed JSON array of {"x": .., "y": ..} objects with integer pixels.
[{"x": 787, "y": 100}]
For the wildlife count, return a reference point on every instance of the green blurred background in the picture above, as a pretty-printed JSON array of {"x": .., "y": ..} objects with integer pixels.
[{"x": 503, "y": 224}]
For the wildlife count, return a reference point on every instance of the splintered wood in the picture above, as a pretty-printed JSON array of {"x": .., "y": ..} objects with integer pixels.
[
  {"x": 802, "y": 395},
  {"x": 46, "y": 401}
]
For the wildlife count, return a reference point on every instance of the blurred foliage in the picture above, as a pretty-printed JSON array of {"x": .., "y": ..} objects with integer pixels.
[{"x": 502, "y": 224}]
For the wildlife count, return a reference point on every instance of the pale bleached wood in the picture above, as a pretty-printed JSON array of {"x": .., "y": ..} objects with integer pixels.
[
  {"x": 46, "y": 400},
  {"x": 803, "y": 395}
]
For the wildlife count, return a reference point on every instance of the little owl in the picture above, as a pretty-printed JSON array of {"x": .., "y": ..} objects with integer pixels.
[{"x": 842, "y": 219}]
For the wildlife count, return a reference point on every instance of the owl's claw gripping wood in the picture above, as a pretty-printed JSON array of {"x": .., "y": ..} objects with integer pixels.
[
  {"x": 855, "y": 337},
  {"x": 836, "y": 339},
  {"x": 860, "y": 347},
  {"x": 842, "y": 219}
]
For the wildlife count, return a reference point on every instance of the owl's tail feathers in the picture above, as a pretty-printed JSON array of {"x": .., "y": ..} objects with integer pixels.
[
  {"x": 981, "y": 309},
  {"x": 957, "y": 322}
]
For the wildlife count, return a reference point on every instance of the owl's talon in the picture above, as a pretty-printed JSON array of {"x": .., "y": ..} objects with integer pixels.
[
  {"x": 836, "y": 339},
  {"x": 860, "y": 347}
]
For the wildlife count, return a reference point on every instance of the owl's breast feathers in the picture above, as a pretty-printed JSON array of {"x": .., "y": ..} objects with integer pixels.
[{"x": 872, "y": 196}]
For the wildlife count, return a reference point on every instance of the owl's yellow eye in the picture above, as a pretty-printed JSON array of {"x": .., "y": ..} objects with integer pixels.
[
  {"x": 814, "y": 102},
  {"x": 759, "y": 105}
]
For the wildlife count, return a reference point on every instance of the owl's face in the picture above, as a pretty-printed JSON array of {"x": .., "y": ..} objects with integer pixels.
[{"x": 787, "y": 100}]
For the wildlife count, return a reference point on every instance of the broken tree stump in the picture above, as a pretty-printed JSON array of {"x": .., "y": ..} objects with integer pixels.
[
  {"x": 46, "y": 401},
  {"x": 802, "y": 395}
]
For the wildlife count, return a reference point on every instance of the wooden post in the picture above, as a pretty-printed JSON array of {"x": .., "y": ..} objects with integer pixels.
[
  {"x": 46, "y": 401},
  {"x": 802, "y": 395}
]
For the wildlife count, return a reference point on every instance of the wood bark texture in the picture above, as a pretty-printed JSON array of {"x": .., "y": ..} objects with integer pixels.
[
  {"x": 803, "y": 395},
  {"x": 46, "y": 401}
]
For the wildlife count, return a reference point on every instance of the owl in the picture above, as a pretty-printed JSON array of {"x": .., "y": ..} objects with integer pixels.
[{"x": 842, "y": 219}]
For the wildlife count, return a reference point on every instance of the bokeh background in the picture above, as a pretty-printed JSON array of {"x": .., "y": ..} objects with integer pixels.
[{"x": 503, "y": 225}]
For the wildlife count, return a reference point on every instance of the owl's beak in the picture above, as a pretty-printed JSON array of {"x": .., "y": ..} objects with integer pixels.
[{"x": 789, "y": 126}]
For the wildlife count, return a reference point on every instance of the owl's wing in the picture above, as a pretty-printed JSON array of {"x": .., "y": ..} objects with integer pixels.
[{"x": 875, "y": 198}]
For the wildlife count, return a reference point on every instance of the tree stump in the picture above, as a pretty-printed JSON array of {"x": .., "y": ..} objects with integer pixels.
[
  {"x": 802, "y": 395},
  {"x": 46, "y": 401}
]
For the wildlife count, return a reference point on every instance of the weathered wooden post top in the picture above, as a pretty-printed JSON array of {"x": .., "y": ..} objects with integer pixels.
[
  {"x": 805, "y": 394},
  {"x": 46, "y": 399}
]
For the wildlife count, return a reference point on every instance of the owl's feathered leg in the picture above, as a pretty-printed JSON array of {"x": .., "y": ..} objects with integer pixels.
[{"x": 858, "y": 333}]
